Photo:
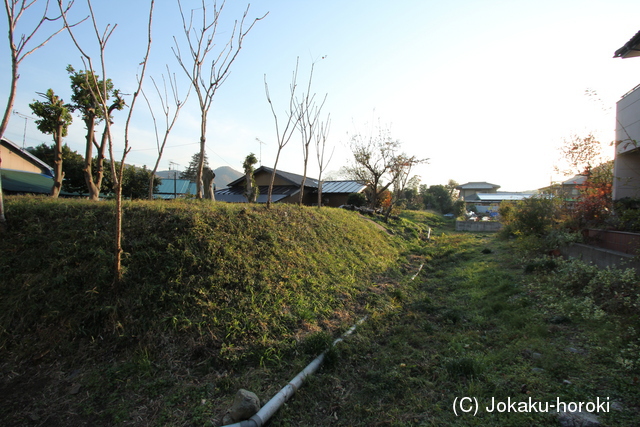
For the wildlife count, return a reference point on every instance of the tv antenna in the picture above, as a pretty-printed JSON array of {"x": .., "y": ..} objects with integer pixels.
[
  {"x": 261, "y": 144},
  {"x": 24, "y": 131}
]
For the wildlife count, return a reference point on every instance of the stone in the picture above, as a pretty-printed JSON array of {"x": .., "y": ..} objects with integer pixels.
[
  {"x": 245, "y": 405},
  {"x": 578, "y": 419}
]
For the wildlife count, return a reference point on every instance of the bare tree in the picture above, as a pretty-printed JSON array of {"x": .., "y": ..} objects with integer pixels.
[
  {"x": 373, "y": 158},
  {"x": 321, "y": 144},
  {"x": 400, "y": 171},
  {"x": 309, "y": 112},
  {"x": 284, "y": 133},
  {"x": 102, "y": 95},
  {"x": 377, "y": 162},
  {"x": 163, "y": 96},
  {"x": 24, "y": 45},
  {"x": 206, "y": 78},
  {"x": 21, "y": 47}
]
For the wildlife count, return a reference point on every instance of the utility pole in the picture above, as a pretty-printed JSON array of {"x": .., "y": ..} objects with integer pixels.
[{"x": 175, "y": 172}]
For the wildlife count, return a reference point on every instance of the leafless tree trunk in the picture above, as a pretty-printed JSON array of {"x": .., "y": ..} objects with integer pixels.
[
  {"x": 292, "y": 118},
  {"x": 206, "y": 82},
  {"x": 102, "y": 96},
  {"x": 321, "y": 144},
  {"x": 309, "y": 113},
  {"x": 20, "y": 48},
  {"x": 166, "y": 110}
]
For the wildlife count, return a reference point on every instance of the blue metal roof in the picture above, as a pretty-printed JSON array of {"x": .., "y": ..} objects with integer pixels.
[{"x": 345, "y": 187}]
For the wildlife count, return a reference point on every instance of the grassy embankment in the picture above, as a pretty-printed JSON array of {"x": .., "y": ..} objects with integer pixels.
[
  {"x": 214, "y": 298},
  {"x": 187, "y": 329}
]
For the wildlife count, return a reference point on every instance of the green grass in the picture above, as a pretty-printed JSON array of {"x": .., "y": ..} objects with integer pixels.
[
  {"x": 208, "y": 290},
  {"x": 221, "y": 297},
  {"x": 471, "y": 324}
]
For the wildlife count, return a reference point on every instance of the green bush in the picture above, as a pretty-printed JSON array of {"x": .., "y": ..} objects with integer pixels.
[{"x": 357, "y": 199}]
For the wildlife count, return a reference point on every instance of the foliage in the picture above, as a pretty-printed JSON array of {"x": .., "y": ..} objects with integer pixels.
[
  {"x": 84, "y": 87},
  {"x": 627, "y": 214},
  {"x": 357, "y": 199},
  {"x": 54, "y": 120},
  {"x": 458, "y": 208},
  {"x": 438, "y": 197},
  {"x": 135, "y": 181},
  {"x": 191, "y": 171},
  {"x": 251, "y": 189},
  {"x": 72, "y": 164},
  {"x": 533, "y": 216},
  {"x": 54, "y": 114},
  {"x": 594, "y": 202}
]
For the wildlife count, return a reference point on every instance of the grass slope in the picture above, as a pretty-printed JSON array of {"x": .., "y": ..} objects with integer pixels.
[
  {"x": 473, "y": 324},
  {"x": 207, "y": 290}
]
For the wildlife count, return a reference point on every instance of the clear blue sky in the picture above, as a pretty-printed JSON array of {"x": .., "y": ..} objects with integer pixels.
[{"x": 486, "y": 89}]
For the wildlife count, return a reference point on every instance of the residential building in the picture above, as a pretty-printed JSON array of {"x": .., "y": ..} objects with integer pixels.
[
  {"x": 22, "y": 172},
  {"x": 471, "y": 188},
  {"x": 286, "y": 189},
  {"x": 626, "y": 169}
]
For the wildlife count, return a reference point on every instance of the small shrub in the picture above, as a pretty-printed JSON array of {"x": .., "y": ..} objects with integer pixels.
[{"x": 357, "y": 199}]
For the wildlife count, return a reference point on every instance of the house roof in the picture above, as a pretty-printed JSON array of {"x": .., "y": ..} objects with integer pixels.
[
  {"x": 46, "y": 169},
  {"x": 575, "y": 180},
  {"x": 630, "y": 48},
  {"x": 498, "y": 197},
  {"x": 26, "y": 182},
  {"x": 236, "y": 194},
  {"x": 345, "y": 187},
  {"x": 288, "y": 176},
  {"x": 477, "y": 186}
]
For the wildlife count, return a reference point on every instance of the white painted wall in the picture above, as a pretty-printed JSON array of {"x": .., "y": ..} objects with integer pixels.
[{"x": 626, "y": 171}]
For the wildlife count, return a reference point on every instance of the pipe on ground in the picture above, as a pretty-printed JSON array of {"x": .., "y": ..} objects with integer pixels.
[{"x": 270, "y": 408}]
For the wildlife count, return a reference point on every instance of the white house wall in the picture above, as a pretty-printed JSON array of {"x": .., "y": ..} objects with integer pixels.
[{"x": 627, "y": 163}]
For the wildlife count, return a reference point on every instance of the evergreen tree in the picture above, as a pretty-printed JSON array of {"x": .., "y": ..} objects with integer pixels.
[{"x": 191, "y": 172}]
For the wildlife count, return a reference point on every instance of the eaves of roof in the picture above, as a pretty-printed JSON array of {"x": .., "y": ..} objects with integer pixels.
[{"x": 630, "y": 48}]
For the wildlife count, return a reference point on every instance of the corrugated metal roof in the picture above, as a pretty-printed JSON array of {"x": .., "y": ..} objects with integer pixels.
[
  {"x": 26, "y": 182},
  {"x": 182, "y": 186},
  {"x": 348, "y": 187},
  {"x": 497, "y": 197},
  {"x": 235, "y": 194}
]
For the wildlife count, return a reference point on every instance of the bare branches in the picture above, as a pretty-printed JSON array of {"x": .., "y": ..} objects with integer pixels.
[
  {"x": 163, "y": 97},
  {"x": 321, "y": 136},
  {"x": 20, "y": 45},
  {"x": 101, "y": 94},
  {"x": 284, "y": 135},
  {"x": 206, "y": 81}
]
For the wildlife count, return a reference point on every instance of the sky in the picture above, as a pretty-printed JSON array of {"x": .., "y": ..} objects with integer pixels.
[{"x": 486, "y": 90}]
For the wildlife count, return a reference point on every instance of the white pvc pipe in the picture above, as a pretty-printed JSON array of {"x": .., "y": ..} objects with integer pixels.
[{"x": 270, "y": 408}]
